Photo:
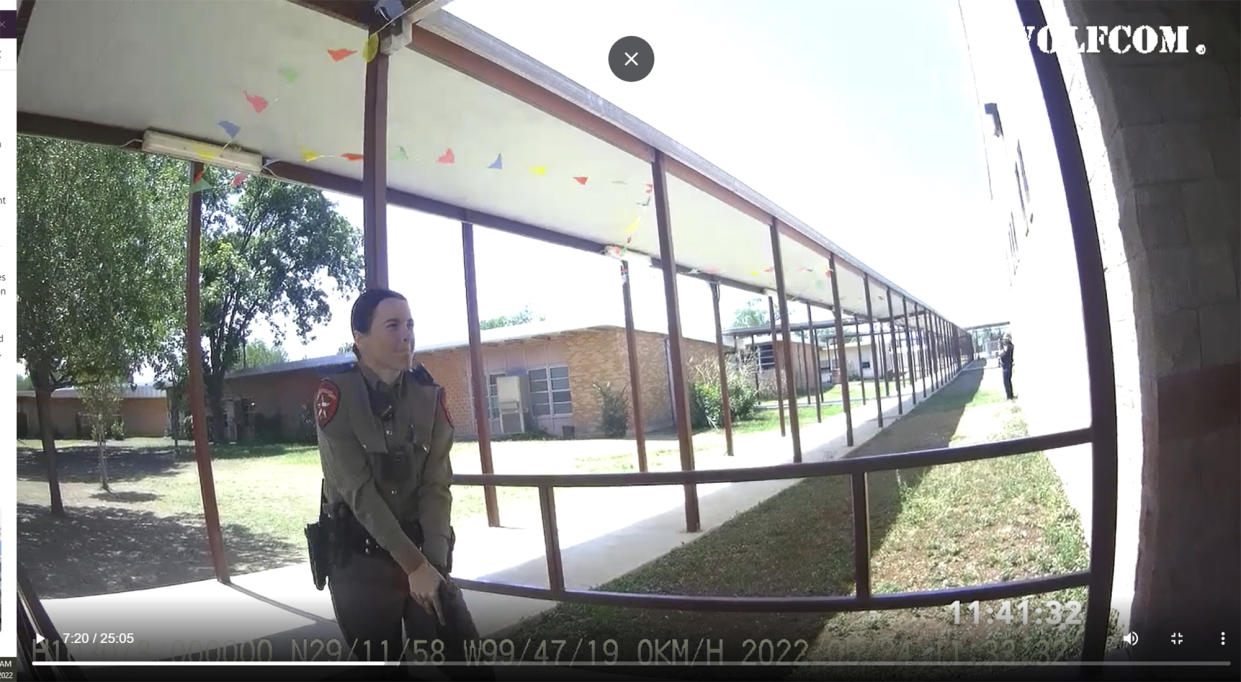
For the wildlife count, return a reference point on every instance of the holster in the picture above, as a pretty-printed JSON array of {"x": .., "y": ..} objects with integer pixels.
[{"x": 319, "y": 542}]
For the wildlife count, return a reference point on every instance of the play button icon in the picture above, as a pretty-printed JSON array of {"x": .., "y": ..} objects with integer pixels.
[{"x": 631, "y": 59}]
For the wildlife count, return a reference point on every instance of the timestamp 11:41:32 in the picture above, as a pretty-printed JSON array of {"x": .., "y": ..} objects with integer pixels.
[{"x": 1047, "y": 612}]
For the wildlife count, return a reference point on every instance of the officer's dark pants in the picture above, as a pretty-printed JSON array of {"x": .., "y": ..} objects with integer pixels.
[
  {"x": 1008, "y": 382},
  {"x": 370, "y": 596}
]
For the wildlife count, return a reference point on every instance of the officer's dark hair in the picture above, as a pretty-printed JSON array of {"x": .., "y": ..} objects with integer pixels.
[{"x": 364, "y": 309}]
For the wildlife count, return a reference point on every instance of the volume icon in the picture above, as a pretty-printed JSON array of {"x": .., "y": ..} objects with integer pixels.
[{"x": 1131, "y": 639}]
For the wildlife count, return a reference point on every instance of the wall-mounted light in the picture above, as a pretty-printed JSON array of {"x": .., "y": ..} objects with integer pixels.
[{"x": 192, "y": 150}]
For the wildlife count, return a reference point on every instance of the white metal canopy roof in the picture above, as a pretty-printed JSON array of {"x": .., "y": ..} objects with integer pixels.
[{"x": 184, "y": 67}]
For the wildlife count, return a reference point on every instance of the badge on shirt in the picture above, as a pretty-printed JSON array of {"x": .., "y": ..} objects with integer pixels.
[{"x": 326, "y": 402}]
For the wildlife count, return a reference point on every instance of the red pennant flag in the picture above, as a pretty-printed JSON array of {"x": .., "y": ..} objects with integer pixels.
[
  {"x": 338, "y": 55},
  {"x": 581, "y": 179},
  {"x": 238, "y": 179},
  {"x": 447, "y": 157},
  {"x": 198, "y": 177},
  {"x": 649, "y": 188},
  {"x": 352, "y": 157},
  {"x": 768, "y": 269},
  {"x": 255, "y": 101}
]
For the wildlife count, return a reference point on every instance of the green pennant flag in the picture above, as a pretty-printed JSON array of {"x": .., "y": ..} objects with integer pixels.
[{"x": 200, "y": 185}]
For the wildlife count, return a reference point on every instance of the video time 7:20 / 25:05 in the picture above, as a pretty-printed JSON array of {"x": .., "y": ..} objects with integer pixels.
[{"x": 1048, "y": 612}]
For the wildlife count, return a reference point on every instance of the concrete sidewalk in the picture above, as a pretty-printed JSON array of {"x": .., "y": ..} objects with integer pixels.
[{"x": 604, "y": 533}]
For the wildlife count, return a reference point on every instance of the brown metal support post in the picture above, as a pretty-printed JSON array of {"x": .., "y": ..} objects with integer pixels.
[
  {"x": 758, "y": 366},
  {"x": 861, "y": 535},
  {"x": 920, "y": 317},
  {"x": 775, "y": 364},
  {"x": 375, "y": 173},
  {"x": 956, "y": 335},
  {"x": 818, "y": 373},
  {"x": 719, "y": 353},
  {"x": 478, "y": 385},
  {"x": 883, "y": 362},
  {"x": 198, "y": 409},
  {"x": 896, "y": 356},
  {"x": 551, "y": 540},
  {"x": 631, "y": 346},
  {"x": 805, "y": 364},
  {"x": 857, "y": 337},
  {"x": 909, "y": 349},
  {"x": 874, "y": 349},
  {"x": 778, "y": 266},
  {"x": 680, "y": 395},
  {"x": 840, "y": 351}
]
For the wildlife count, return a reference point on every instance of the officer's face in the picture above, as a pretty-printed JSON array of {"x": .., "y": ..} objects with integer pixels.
[{"x": 390, "y": 343}]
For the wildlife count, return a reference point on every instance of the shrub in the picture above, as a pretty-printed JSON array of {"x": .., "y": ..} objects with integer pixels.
[
  {"x": 706, "y": 398},
  {"x": 116, "y": 430},
  {"x": 615, "y": 410}
]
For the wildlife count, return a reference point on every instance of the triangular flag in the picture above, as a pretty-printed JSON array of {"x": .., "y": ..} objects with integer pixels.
[
  {"x": 754, "y": 273},
  {"x": 581, "y": 179},
  {"x": 649, "y": 188},
  {"x": 289, "y": 74},
  {"x": 199, "y": 184},
  {"x": 768, "y": 269},
  {"x": 308, "y": 155},
  {"x": 338, "y": 55},
  {"x": 372, "y": 47},
  {"x": 231, "y": 128},
  {"x": 619, "y": 182},
  {"x": 447, "y": 157},
  {"x": 712, "y": 271},
  {"x": 692, "y": 271},
  {"x": 629, "y": 239},
  {"x": 351, "y": 157},
  {"x": 632, "y": 226},
  {"x": 400, "y": 154},
  {"x": 255, "y": 101},
  {"x": 819, "y": 283},
  {"x": 539, "y": 170},
  {"x": 238, "y": 179},
  {"x": 498, "y": 164}
]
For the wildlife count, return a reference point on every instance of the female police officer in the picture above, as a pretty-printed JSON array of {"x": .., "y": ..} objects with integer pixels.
[{"x": 384, "y": 438}]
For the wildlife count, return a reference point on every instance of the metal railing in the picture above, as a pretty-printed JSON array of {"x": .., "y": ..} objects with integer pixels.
[{"x": 857, "y": 469}]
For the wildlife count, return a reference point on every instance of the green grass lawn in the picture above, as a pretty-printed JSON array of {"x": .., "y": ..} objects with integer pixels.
[{"x": 931, "y": 528}]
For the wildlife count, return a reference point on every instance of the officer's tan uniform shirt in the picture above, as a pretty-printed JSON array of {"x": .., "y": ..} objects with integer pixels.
[{"x": 392, "y": 471}]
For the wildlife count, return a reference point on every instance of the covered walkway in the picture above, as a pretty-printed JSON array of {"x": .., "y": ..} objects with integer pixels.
[{"x": 603, "y": 535}]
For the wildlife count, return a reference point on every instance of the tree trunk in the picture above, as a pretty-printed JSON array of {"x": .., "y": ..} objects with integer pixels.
[
  {"x": 103, "y": 468},
  {"x": 43, "y": 405},
  {"x": 215, "y": 400}
]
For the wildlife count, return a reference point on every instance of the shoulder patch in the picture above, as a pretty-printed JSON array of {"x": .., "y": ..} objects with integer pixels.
[
  {"x": 444, "y": 407},
  {"x": 327, "y": 399}
]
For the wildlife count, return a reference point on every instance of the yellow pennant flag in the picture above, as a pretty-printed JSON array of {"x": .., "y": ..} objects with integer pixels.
[
  {"x": 372, "y": 47},
  {"x": 206, "y": 153},
  {"x": 632, "y": 226},
  {"x": 539, "y": 170},
  {"x": 309, "y": 156}
]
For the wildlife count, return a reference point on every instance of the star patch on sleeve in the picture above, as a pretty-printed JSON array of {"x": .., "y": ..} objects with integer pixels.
[{"x": 327, "y": 399}]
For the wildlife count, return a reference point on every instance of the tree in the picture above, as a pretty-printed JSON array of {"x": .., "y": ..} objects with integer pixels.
[
  {"x": 99, "y": 235},
  {"x": 522, "y": 317},
  {"x": 101, "y": 398},
  {"x": 269, "y": 250},
  {"x": 753, "y": 314},
  {"x": 23, "y": 383},
  {"x": 259, "y": 354},
  {"x": 346, "y": 347},
  {"x": 172, "y": 376}
]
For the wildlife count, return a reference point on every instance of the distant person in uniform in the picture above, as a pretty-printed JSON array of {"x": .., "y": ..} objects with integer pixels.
[
  {"x": 384, "y": 438},
  {"x": 1006, "y": 362}
]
